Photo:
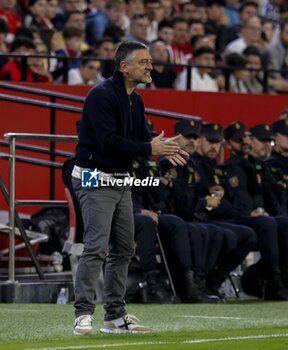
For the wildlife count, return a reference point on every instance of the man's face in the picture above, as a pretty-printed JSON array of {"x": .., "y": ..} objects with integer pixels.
[
  {"x": 154, "y": 11},
  {"x": 74, "y": 44},
  {"x": 76, "y": 20},
  {"x": 139, "y": 28},
  {"x": 180, "y": 33},
  {"x": 135, "y": 7},
  {"x": 70, "y": 5},
  {"x": 107, "y": 50},
  {"x": 137, "y": 67},
  {"x": 190, "y": 11},
  {"x": 159, "y": 52},
  {"x": 252, "y": 31},
  {"x": 260, "y": 149},
  {"x": 90, "y": 71},
  {"x": 196, "y": 29},
  {"x": 209, "y": 149},
  {"x": 248, "y": 12},
  {"x": 167, "y": 35},
  {"x": 51, "y": 8},
  {"x": 207, "y": 59},
  {"x": 281, "y": 141},
  {"x": 241, "y": 146},
  {"x": 116, "y": 15}
]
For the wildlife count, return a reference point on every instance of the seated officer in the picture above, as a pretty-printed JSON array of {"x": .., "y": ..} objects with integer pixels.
[
  {"x": 272, "y": 197},
  {"x": 193, "y": 208},
  {"x": 245, "y": 187},
  {"x": 278, "y": 160},
  {"x": 208, "y": 181},
  {"x": 151, "y": 214}
]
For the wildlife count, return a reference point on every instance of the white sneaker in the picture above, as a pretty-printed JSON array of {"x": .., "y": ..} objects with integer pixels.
[
  {"x": 125, "y": 324},
  {"x": 83, "y": 325}
]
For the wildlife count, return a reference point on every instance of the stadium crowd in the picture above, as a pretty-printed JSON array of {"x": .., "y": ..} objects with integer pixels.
[{"x": 204, "y": 34}]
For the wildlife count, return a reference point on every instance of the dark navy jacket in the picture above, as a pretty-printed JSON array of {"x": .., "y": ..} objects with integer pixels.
[{"x": 112, "y": 129}]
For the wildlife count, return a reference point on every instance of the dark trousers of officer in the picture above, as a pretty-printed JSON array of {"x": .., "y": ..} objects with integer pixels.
[
  {"x": 173, "y": 233},
  {"x": 206, "y": 244},
  {"x": 266, "y": 229},
  {"x": 239, "y": 240},
  {"x": 282, "y": 225}
]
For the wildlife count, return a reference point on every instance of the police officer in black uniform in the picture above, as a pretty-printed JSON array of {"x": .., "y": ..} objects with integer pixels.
[
  {"x": 278, "y": 160},
  {"x": 244, "y": 186},
  {"x": 272, "y": 197},
  {"x": 194, "y": 208},
  {"x": 208, "y": 181},
  {"x": 152, "y": 213}
]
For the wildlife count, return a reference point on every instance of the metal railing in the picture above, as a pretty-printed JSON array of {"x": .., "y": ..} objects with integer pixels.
[{"x": 13, "y": 203}]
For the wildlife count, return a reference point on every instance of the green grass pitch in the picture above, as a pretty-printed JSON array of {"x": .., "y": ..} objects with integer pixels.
[{"x": 244, "y": 325}]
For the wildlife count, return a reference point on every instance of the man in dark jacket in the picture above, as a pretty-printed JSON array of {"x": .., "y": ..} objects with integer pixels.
[{"x": 112, "y": 131}]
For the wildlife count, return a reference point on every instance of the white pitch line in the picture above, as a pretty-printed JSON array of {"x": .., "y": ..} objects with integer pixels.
[
  {"x": 217, "y": 317},
  {"x": 192, "y": 341},
  {"x": 247, "y": 337}
]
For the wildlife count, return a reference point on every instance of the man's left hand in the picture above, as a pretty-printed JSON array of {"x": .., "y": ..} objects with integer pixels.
[{"x": 179, "y": 158}]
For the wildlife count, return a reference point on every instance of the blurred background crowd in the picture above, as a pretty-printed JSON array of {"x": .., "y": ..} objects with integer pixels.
[{"x": 250, "y": 37}]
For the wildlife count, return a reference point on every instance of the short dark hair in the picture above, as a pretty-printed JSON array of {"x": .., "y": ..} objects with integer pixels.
[
  {"x": 125, "y": 49},
  {"x": 22, "y": 41},
  {"x": 204, "y": 50},
  {"x": 88, "y": 56},
  {"x": 247, "y": 4},
  {"x": 164, "y": 24},
  {"x": 72, "y": 32},
  {"x": 252, "y": 50}
]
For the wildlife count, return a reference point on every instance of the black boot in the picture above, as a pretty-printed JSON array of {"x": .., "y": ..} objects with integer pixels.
[
  {"x": 214, "y": 281},
  {"x": 275, "y": 289},
  {"x": 158, "y": 293},
  {"x": 191, "y": 292}
]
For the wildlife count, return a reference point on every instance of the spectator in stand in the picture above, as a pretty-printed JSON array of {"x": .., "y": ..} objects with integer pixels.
[
  {"x": 168, "y": 10},
  {"x": 73, "y": 40},
  {"x": 89, "y": 71},
  {"x": 196, "y": 27},
  {"x": 95, "y": 21},
  {"x": 105, "y": 49},
  {"x": 238, "y": 74},
  {"x": 76, "y": 19},
  {"x": 246, "y": 10},
  {"x": 202, "y": 41},
  {"x": 166, "y": 34},
  {"x": 162, "y": 77},
  {"x": 51, "y": 10},
  {"x": 12, "y": 71},
  {"x": 254, "y": 83},
  {"x": 200, "y": 76},
  {"x": 134, "y": 7},
  {"x": 155, "y": 14},
  {"x": 217, "y": 20},
  {"x": 231, "y": 12},
  {"x": 63, "y": 10},
  {"x": 3, "y": 35},
  {"x": 276, "y": 57},
  {"x": 181, "y": 48},
  {"x": 37, "y": 15},
  {"x": 138, "y": 30},
  {"x": 251, "y": 36},
  {"x": 114, "y": 14},
  {"x": 7, "y": 11}
]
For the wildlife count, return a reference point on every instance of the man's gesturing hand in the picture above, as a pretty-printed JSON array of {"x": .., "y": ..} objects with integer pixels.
[{"x": 168, "y": 147}]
